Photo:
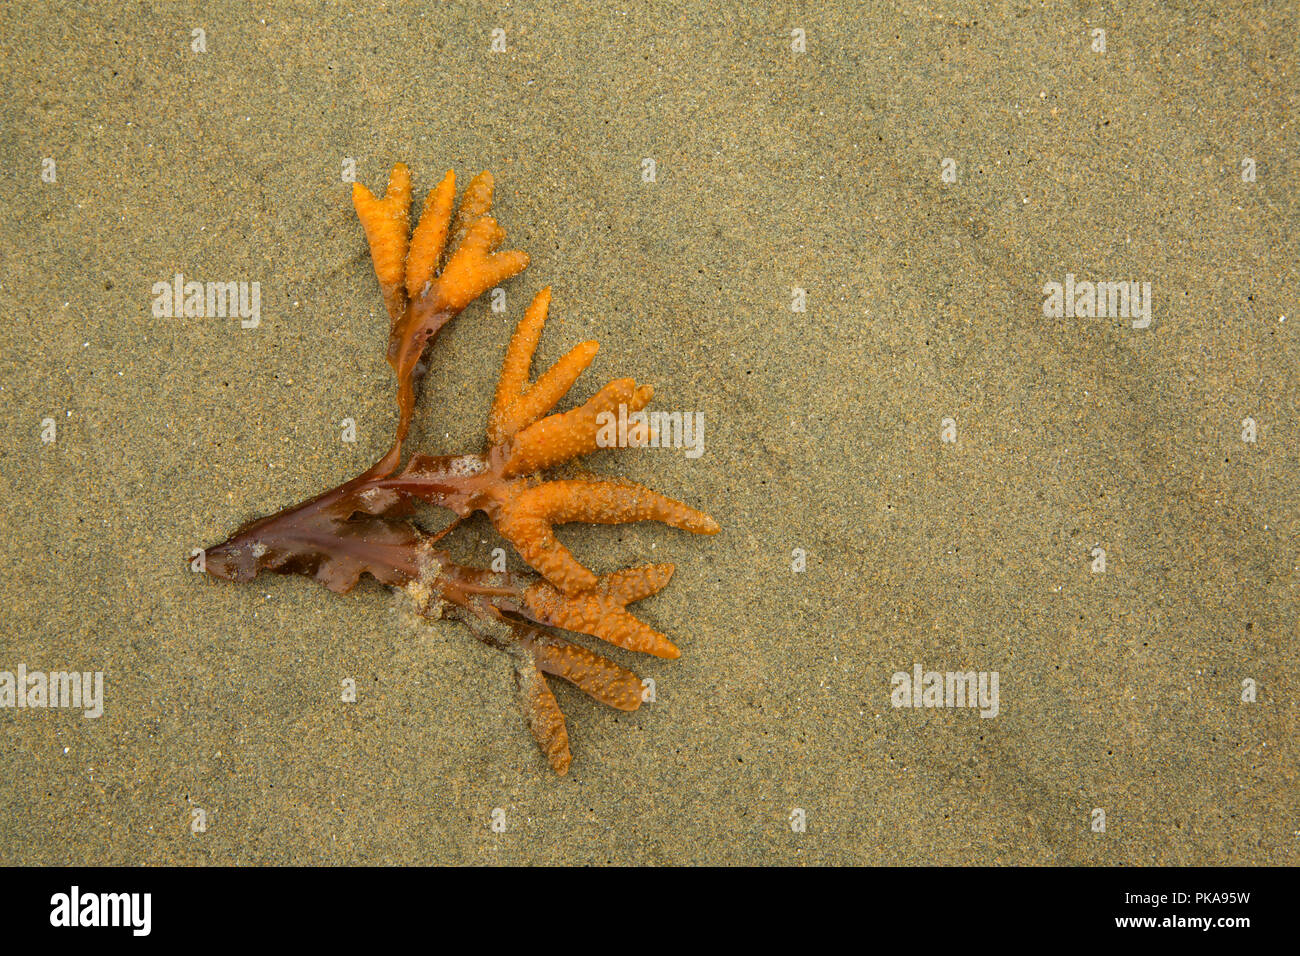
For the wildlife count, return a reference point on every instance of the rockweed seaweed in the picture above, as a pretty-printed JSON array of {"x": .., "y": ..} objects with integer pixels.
[{"x": 427, "y": 277}]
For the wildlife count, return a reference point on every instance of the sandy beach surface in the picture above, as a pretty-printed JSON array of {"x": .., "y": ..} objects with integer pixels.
[{"x": 840, "y": 264}]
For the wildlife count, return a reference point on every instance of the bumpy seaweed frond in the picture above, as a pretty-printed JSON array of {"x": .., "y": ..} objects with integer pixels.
[
  {"x": 430, "y": 236},
  {"x": 387, "y": 223},
  {"x": 601, "y": 611}
]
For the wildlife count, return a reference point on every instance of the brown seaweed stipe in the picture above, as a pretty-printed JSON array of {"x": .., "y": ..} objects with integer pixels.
[{"x": 427, "y": 276}]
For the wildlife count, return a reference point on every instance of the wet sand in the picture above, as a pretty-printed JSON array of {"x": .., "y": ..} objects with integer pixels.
[{"x": 1119, "y": 691}]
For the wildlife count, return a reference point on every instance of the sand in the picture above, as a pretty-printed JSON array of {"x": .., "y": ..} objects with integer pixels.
[{"x": 1119, "y": 691}]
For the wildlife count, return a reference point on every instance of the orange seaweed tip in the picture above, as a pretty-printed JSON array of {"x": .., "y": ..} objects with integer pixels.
[{"x": 385, "y": 224}]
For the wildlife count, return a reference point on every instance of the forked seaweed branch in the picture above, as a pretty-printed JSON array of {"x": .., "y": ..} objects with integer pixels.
[{"x": 364, "y": 526}]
